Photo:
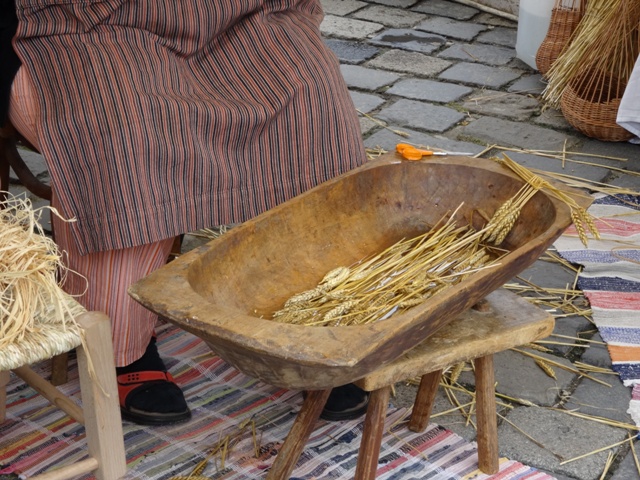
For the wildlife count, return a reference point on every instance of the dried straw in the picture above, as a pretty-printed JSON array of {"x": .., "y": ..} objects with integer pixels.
[
  {"x": 36, "y": 316},
  {"x": 601, "y": 54},
  {"x": 402, "y": 276}
]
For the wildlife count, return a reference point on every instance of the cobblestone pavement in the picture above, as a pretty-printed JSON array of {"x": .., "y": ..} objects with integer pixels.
[{"x": 448, "y": 75}]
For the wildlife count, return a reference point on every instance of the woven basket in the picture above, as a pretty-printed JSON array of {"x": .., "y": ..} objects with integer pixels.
[
  {"x": 563, "y": 23},
  {"x": 592, "y": 107}
]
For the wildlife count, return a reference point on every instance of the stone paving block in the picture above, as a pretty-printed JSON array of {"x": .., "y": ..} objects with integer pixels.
[
  {"x": 555, "y": 165},
  {"x": 626, "y": 181},
  {"x": 515, "y": 134},
  {"x": 499, "y": 36},
  {"x": 429, "y": 90},
  {"x": 518, "y": 376},
  {"x": 391, "y": 17},
  {"x": 554, "y": 119},
  {"x": 488, "y": 54},
  {"x": 627, "y": 469},
  {"x": 421, "y": 115},
  {"x": 35, "y": 162},
  {"x": 481, "y": 75},
  {"x": 348, "y": 28},
  {"x": 547, "y": 275},
  {"x": 560, "y": 434},
  {"x": 409, "y": 62},
  {"x": 365, "y": 102},
  {"x": 396, "y": 3},
  {"x": 388, "y": 140},
  {"x": 446, "y": 9},
  {"x": 592, "y": 398},
  {"x": 494, "y": 20},
  {"x": 451, "y": 28},
  {"x": 351, "y": 52},
  {"x": 597, "y": 354},
  {"x": 341, "y": 7},
  {"x": 624, "y": 150},
  {"x": 572, "y": 326},
  {"x": 501, "y": 104},
  {"x": 528, "y": 84},
  {"x": 407, "y": 39},
  {"x": 367, "y": 78},
  {"x": 367, "y": 125},
  {"x": 520, "y": 65}
]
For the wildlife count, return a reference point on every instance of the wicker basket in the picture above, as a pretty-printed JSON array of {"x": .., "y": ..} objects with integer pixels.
[
  {"x": 563, "y": 23},
  {"x": 592, "y": 107}
]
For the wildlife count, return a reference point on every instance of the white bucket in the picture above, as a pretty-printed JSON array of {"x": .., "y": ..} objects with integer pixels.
[{"x": 533, "y": 22}]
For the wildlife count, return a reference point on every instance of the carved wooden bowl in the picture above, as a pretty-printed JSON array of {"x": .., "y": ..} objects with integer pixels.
[{"x": 220, "y": 291}]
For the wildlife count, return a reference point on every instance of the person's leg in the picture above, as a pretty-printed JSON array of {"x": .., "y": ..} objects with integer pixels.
[
  {"x": 148, "y": 394},
  {"x": 100, "y": 282}
]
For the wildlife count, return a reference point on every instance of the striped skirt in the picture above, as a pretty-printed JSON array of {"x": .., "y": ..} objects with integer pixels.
[{"x": 160, "y": 117}]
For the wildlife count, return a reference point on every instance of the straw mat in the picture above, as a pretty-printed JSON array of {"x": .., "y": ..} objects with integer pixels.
[
  {"x": 611, "y": 282},
  {"x": 36, "y": 436}
]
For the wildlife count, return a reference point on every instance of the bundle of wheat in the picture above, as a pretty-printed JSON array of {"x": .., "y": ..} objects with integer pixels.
[
  {"x": 402, "y": 276},
  {"x": 582, "y": 220}
]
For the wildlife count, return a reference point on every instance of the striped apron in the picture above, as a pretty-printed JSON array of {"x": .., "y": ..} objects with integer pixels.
[{"x": 159, "y": 117}]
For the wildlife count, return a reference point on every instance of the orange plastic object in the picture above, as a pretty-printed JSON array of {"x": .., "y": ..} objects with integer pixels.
[{"x": 410, "y": 152}]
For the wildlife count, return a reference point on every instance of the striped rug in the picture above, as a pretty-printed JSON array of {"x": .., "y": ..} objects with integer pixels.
[
  {"x": 611, "y": 282},
  {"x": 36, "y": 436}
]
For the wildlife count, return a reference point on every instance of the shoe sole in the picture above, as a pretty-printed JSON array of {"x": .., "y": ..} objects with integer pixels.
[{"x": 155, "y": 419}]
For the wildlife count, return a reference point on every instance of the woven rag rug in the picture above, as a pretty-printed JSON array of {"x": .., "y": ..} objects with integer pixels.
[
  {"x": 611, "y": 282},
  {"x": 37, "y": 436}
]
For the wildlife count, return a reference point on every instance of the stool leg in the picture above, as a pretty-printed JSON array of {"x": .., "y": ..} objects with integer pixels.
[
  {"x": 59, "y": 369},
  {"x": 424, "y": 401},
  {"x": 300, "y": 432},
  {"x": 372, "y": 434},
  {"x": 486, "y": 415},
  {"x": 99, "y": 393},
  {"x": 4, "y": 380}
]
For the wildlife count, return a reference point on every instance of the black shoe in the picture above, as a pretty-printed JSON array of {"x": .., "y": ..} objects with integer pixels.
[
  {"x": 147, "y": 392},
  {"x": 347, "y": 402}
]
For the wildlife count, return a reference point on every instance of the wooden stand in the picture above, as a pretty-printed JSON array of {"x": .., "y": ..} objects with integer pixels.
[
  {"x": 505, "y": 321},
  {"x": 100, "y": 411}
]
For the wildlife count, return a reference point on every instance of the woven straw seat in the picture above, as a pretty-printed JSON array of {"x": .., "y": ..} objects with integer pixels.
[{"x": 51, "y": 337}]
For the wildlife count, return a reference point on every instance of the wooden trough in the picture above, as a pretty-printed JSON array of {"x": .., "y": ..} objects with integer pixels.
[{"x": 225, "y": 291}]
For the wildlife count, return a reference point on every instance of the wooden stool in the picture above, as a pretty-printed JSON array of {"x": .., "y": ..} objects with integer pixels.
[
  {"x": 100, "y": 412},
  {"x": 500, "y": 322}
]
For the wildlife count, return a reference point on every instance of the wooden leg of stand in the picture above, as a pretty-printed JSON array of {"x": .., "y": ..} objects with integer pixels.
[
  {"x": 99, "y": 392},
  {"x": 488, "y": 458},
  {"x": 424, "y": 401},
  {"x": 372, "y": 434},
  {"x": 302, "y": 427},
  {"x": 59, "y": 369},
  {"x": 4, "y": 380}
]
